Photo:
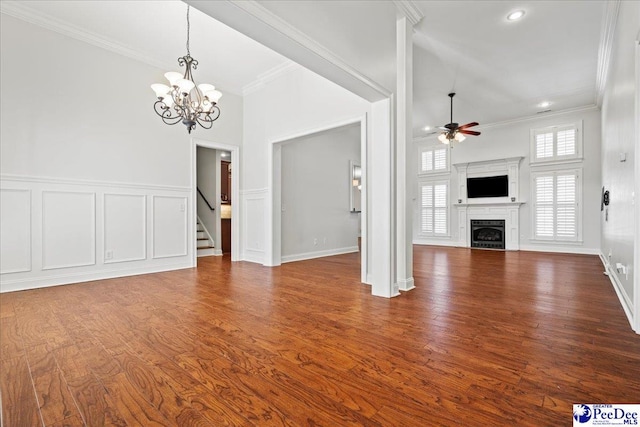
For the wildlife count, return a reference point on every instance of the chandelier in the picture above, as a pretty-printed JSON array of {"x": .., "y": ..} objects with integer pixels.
[{"x": 183, "y": 100}]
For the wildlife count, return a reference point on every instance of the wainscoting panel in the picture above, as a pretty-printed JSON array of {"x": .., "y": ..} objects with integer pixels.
[
  {"x": 58, "y": 231},
  {"x": 15, "y": 229},
  {"x": 169, "y": 226},
  {"x": 125, "y": 227},
  {"x": 68, "y": 229}
]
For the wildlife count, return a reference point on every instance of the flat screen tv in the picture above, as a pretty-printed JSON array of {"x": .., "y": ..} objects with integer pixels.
[{"x": 489, "y": 186}]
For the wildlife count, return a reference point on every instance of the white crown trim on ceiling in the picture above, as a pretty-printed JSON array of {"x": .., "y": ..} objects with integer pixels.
[
  {"x": 374, "y": 91},
  {"x": 268, "y": 76},
  {"x": 609, "y": 23},
  {"x": 410, "y": 10}
]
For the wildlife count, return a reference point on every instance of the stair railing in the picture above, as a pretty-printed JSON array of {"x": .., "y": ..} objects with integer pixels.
[{"x": 204, "y": 198}]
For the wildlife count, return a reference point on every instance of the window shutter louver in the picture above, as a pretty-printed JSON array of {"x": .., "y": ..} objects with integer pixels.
[
  {"x": 426, "y": 219},
  {"x": 427, "y": 161},
  {"x": 440, "y": 159},
  {"x": 566, "y": 142},
  {"x": 440, "y": 211},
  {"x": 566, "y": 205},
  {"x": 544, "y": 145},
  {"x": 544, "y": 206}
]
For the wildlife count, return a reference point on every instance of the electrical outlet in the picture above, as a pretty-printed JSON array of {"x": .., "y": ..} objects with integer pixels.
[
  {"x": 108, "y": 255},
  {"x": 324, "y": 241},
  {"x": 315, "y": 242}
]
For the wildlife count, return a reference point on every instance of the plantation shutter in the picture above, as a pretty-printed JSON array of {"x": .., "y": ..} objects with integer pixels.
[
  {"x": 426, "y": 218},
  {"x": 544, "y": 206},
  {"x": 440, "y": 209},
  {"x": 556, "y": 206},
  {"x": 434, "y": 209},
  {"x": 427, "y": 161},
  {"x": 566, "y": 205},
  {"x": 433, "y": 160},
  {"x": 566, "y": 142},
  {"x": 544, "y": 144},
  {"x": 440, "y": 159}
]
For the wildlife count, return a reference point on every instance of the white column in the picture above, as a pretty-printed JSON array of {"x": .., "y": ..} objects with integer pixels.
[
  {"x": 381, "y": 178},
  {"x": 404, "y": 130}
]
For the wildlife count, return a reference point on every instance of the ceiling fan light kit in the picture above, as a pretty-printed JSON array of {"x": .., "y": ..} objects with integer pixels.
[{"x": 454, "y": 132}]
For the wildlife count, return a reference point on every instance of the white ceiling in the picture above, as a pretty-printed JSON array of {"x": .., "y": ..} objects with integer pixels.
[
  {"x": 155, "y": 32},
  {"x": 500, "y": 70}
]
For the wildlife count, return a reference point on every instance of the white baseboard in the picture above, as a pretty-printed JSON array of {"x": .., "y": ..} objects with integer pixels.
[
  {"x": 252, "y": 256},
  {"x": 625, "y": 301},
  {"x": 406, "y": 284},
  {"x": 67, "y": 279},
  {"x": 319, "y": 254},
  {"x": 436, "y": 242},
  {"x": 560, "y": 249}
]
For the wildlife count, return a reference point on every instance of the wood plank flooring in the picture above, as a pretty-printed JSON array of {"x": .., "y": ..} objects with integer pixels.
[{"x": 487, "y": 338}]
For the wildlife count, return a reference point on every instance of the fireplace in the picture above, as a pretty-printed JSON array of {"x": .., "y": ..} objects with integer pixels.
[{"x": 487, "y": 233}]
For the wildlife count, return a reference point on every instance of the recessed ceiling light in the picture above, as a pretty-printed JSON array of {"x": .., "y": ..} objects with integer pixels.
[
  {"x": 515, "y": 15},
  {"x": 427, "y": 128},
  {"x": 544, "y": 104}
]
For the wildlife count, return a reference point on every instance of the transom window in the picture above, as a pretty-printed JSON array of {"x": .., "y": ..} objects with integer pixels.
[
  {"x": 556, "y": 143},
  {"x": 434, "y": 160}
]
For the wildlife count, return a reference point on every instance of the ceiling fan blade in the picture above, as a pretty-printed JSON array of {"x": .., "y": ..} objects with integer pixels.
[
  {"x": 444, "y": 128},
  {"x": 469, "y": 132},
  {"x": 468, "y": 125}
]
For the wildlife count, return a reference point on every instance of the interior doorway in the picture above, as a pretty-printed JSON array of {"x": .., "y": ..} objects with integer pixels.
[
  {"x": 220, "y": 208},
  {"x": 274, "y": 254}
]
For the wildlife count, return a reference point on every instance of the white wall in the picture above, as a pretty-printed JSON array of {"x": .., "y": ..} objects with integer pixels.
[
  {"x": 619, "y": 135},
  {"x": 208, "y": 175},
  {"x": 292, "y": 104},
  {"x": 316, "y": 185},
  {"x": 513, "y": 140},
  {"x": 93, "y": 183}
]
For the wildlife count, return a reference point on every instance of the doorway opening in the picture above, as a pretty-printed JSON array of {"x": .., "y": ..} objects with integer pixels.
[
  {"x": 313, "y": 211},
  {"x": 215, "y": 172}
]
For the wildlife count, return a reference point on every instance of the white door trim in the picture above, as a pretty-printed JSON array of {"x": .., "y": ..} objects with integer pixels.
[{"x": 235, "y": 194}]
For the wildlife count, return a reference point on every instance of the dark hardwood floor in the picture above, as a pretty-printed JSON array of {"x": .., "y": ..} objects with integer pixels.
[{"x": 488, "y": 338}]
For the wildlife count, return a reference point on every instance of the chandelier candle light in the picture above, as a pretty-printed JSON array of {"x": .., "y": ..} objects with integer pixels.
[{"x": 184, "y": 101}]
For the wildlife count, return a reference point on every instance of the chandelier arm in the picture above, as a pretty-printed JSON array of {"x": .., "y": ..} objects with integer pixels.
[{"x": 207, "y": 121}]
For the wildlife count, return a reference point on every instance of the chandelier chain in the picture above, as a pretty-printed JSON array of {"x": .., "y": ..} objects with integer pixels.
[{"x": 188, "y": 31}]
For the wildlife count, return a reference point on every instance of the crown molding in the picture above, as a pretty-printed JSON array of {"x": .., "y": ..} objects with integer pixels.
[
  {"x": 283, "y": 28},
  {"x": 25, "y": 13},
  {"x": 268, "y": 76},
  {"x": 409, "y": 9},
  {"x": 584, "y": 108},
  {"x": 609, "y": 23}
]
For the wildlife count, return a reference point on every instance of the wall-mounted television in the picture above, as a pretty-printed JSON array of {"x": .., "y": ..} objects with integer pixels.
[{"x": 488, "y": 186}]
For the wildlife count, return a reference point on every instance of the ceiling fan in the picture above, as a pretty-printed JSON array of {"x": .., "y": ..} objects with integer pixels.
[{"x": 453, "y": 132}]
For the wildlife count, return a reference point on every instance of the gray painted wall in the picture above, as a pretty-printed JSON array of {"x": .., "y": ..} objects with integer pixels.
[
  {"x": 315, "y": 194},
  {"x": 208, "y": 171}
]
